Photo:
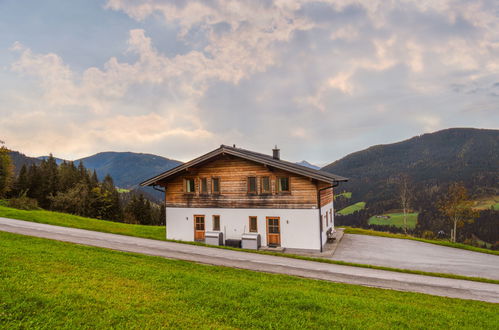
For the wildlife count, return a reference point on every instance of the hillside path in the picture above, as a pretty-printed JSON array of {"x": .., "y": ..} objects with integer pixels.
[
  {"x": 409, "y": 254},
  {"x": 263, "y": 263}
]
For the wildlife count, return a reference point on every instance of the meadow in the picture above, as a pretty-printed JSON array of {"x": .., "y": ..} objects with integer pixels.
[
  {"x": 352, "y": 208},
  {"x": 50, "y": 284},
  {"x": 395, "y": 219}
]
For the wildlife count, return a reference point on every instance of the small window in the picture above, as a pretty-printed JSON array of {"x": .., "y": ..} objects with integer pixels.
[
  {"x": 252, "y": 185},
  {"x": 190, "y": 186},
  {"x": 216, "y": 222},
  {"x": 253, "y": 227},
  {"x": 282, "y": 184},
  {"x": 265, "y": 185},
  {"x": 204, "y": 185},
  {"x": 215, "y": 185}
]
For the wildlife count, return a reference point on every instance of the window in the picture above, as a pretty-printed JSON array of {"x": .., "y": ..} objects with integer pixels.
[
  {"x": 282, "y": 184},
  {"x": 190, "y": 186},
  {"x": 215, "y": 185},
  {"x": 265, "y": 185},
  {"x": 253, "y": 227},
  {"x": 251, "y": 185},
  {"x": 216, "y": 222},
  {"x": 204, "y": 185}
]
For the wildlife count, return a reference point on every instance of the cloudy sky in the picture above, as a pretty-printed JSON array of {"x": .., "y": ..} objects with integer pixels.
[{"x": 320, "y": 79}]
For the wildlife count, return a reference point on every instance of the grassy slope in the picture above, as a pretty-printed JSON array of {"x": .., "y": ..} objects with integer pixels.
[
  {"x": 360, "y": 231},
  {"x": 487, "y": 202},
  {"x": 346, "y": 194},
  {"x": 158, "y": 232},
  {"x": 396, "y": 219},
  {"x": 352, "y": 208},
  {"x": 68, "y": 220},
  {"x": 51, "y": 284}
]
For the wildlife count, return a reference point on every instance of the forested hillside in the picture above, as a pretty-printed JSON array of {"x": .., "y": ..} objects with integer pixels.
[{"x": 463, "y": 155}]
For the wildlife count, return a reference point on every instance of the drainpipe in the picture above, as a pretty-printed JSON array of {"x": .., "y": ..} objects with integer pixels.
[{"x": 335, "y": 184}]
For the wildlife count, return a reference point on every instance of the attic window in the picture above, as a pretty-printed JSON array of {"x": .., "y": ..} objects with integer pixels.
[
  {"x": 190, "y": 186},
  {"x": 251, "y": 185},
  {"x": 283, "y": 184},
  {"x": 204, "y": 185},
  {"x": 215, "y": 185},
  {"x": 265, "y": 185}
]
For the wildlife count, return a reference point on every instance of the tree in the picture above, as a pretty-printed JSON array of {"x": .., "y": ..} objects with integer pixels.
[
  {"x": 405, "y": 196},
  {"x": 6, "y": 170},
  {"x": 456, "y": 206}
]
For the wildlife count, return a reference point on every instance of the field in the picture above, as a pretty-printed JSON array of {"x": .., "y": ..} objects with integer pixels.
[
  {"x": 53, "y": 284},
  {"x": 69, "y": 220},
  {"x": 352, "y": 208},
  {"x": 396, "y": 219},
  {"x": 487, "y": 203},
  {"x": 346, "y": 194}
]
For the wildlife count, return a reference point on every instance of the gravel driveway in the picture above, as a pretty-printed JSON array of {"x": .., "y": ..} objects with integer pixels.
[{"x": 408, "y": 254}]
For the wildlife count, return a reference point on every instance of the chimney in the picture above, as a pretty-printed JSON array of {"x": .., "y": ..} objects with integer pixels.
[{"x": 276, "y": 153}]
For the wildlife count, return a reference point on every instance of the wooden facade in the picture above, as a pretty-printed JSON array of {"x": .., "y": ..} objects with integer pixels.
[{"x": 236, "y": 190}]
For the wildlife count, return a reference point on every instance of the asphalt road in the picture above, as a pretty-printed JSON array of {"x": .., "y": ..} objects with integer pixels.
[
  {"x": 264, "y": 263},
  {"x": 408, "y": 254}
]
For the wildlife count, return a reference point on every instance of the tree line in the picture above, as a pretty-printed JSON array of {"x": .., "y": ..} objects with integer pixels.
[{"x": 73, "y": 189}]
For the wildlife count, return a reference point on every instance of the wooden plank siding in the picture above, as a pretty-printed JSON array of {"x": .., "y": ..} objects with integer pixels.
[
  {"x": 233, "y": 173},
  {"x": 326, "y": 194}
]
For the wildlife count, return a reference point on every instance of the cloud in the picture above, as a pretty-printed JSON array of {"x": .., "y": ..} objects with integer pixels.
[{"x": 319, "y": 78}]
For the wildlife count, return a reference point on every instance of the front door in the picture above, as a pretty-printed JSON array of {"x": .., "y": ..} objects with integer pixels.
[
  {"x": 199, "y": 227},
  {"x": 273, "y": 231}
]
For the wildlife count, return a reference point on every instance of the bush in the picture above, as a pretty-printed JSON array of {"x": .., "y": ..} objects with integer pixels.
[
  {"x": 428, "y": 234},
  {"x": 23, "y": 203}
]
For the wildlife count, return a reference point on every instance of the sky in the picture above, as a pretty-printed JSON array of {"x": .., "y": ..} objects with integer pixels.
[{"x": 319, "y": 79}]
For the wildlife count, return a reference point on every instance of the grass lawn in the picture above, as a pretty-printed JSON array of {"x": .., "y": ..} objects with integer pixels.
[
  {"x": 51, "y": 284},
  {"x": 396, "y": 219},
  {"x": 69, "y": 220},
  {"x": 352, "y": 208}
]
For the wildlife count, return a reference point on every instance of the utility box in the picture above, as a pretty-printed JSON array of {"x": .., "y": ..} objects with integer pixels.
[
  {"x": 251, "y": 241},
  {"x": 214, "y": 238}
]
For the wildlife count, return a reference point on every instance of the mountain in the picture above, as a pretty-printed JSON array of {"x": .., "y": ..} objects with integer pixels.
[
  {"x": 307, "y": 164},
  {"x": 457, "y": 154},
  {"x": 58, "y": 161},
  {"x": 128, "y": 169},
  {"x": 19, "y": 159}
]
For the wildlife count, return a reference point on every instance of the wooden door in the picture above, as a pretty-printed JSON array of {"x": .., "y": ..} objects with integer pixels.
[
  {"x": 273, "y": 231},
  {"x": 199, "y": 227}
]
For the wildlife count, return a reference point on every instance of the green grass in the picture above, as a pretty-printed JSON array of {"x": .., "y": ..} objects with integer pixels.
[
  {"x": 396, "y": 219},
  {"x": 361, "y": 231},
  {"x": 486, "y": 203},
  {"x": 346, "y": 194},
  {"x": 50, "y": 284},
  {"x": 352, "y": 208},
  {"x": 69, "y": 220},
  {"x": 158, "y": 232},
  {"x": 122, "y": 190}
]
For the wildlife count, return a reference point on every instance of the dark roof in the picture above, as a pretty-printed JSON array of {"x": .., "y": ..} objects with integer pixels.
[{"x": 254, "y": 156}]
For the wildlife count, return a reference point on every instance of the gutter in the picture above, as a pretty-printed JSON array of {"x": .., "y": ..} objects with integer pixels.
[{"x": 334, "y": 185}]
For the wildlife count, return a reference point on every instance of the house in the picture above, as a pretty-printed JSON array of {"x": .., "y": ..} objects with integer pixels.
[{"x": 237, "y": 191}]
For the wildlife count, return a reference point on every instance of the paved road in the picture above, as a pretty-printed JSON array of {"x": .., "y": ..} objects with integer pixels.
[
  {"x": 264, "y": 263},
  {"x": 408, "y": 254}
]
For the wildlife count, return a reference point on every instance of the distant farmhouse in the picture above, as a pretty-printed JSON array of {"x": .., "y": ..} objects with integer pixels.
[{"x": 232, "y": 193}]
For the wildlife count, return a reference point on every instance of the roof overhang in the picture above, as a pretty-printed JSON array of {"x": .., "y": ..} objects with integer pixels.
[{"x": 319, "y": 175}]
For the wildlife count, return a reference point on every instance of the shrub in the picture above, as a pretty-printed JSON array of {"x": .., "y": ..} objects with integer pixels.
[
  {"x": 23, "y": 203},
  {"x": 428, "y": 234}
]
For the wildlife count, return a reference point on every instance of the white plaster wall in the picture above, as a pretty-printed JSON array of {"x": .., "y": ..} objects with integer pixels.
[
  {"x": 299, "y": 227},
  {"x": 329, "y": 209}
]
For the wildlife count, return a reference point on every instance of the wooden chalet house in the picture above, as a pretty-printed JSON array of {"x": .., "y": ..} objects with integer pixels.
[{"x": 237, "y": 191}]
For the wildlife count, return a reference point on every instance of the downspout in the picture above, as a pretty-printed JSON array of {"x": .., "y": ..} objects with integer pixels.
[{"x": 335, "y": 184}]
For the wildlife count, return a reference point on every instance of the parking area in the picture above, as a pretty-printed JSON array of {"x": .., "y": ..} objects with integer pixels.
[{"x": 409, "y": 254}]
